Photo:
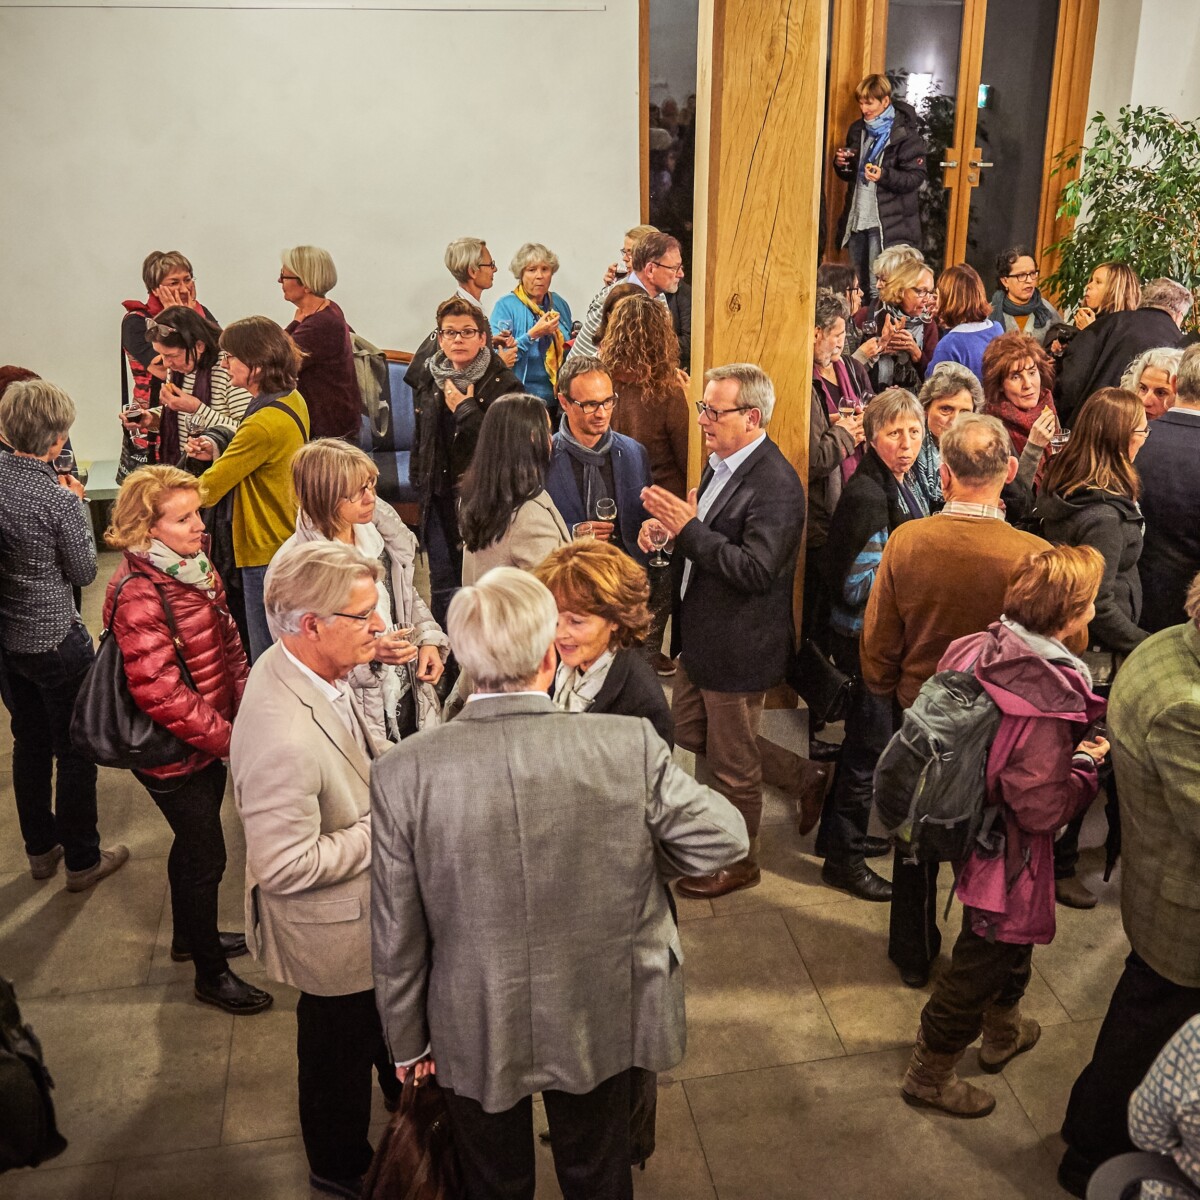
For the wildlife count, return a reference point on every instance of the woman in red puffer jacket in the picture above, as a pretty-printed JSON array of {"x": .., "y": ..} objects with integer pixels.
[{"x": 156, "y": 521}]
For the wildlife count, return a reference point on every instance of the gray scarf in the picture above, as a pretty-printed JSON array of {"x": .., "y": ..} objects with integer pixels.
[
  {"x": 441, "y": 368},
  {"x": 592, "y": 458}
]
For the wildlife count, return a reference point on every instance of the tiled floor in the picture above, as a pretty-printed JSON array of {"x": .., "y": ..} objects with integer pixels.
[{"x": 798, "y": 1029}]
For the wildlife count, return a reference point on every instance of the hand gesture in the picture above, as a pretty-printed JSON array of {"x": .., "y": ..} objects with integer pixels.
[
  {"x": 544, "y": 325},
  {"x": 507, "y": 355},
  {"x": 454, "y": 397},
  {"x": 201, "y": 448},
  {"x": 177, "y": 399},
  {"x": 645, "y": 544},
  {"x": 671, "y": 512},
  {"x": 871, "y": 349},
  {"x": 683, "y": 378},
  {"x": 135, "y": 421},
  {"x": 610, "y": 274},
  {"x": 429, "y": 664},
  {"x": 873, "y": 172},
  {"x": 602, "y": 530},
  {"x": 853, "y": 426},
  {"x": 1044, "y": 428},
  {"x": 421, "y": 1070},
  {"x": 72, "y": 485},
  {"x": 157, "y": 367},
  {"x": 1084, "y": 317},
  {"x": 1096, "y": 749}
]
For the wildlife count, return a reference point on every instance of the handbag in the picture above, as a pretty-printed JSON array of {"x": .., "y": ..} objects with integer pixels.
[
  {"x": 107, "y": 726},
  {"x": 28, "y": 1133},
  {"x": 822, "y": 686},
  {"x": 415, "y": 1159}
]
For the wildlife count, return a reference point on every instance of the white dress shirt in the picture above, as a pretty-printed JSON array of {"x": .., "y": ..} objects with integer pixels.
[
  {"x": 461, "y": 291},
  {"x": 338, "y": 696}
]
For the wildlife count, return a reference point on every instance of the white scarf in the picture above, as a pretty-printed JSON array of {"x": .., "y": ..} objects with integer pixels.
[{"x": 575, "y": 692}]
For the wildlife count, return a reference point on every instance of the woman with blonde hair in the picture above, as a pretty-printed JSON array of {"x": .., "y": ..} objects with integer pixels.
[
  {"x": 1113, "y": 287},
  {"x": 335, "y": 490},
  {"x": 902, "y": 319},
  {"x": 186, "y": 670}
]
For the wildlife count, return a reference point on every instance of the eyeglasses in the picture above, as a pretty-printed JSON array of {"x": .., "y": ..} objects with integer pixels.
[
  {"x": 1024, "y": 276},
  {"x": 1145, "y": 433},
  {"x": 223, "y": 356},
  {"x": 368, "y": 488},
  {"x": 457, "y": 335},
  {"x": 626, "y": 254},
  {"x": 715, "y": 414},
  {"x": 355, "y": 616},
  {"x": 156, "y": 330},
  {"x": 489, "y": 266},
  {"x": 674, "y": 269},
  {"x": 283, "y": 278},
  {"x": 591, "y": 407},
  {"x": 924, "y": 293}
]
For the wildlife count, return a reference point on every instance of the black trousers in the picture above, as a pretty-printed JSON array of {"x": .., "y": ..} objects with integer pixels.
[
  {"x": 338, "y": 1041},
  {"x": 914, "y": 939},
  {"x": 1145, "y": 1012},
  {"x": 40, "y": 693},
  {"x": 589, "y": 1137},
  {"x": 192, "y": 806},
  {"x": 444, "y": 549},
  {"x": 981, "y": 974}
]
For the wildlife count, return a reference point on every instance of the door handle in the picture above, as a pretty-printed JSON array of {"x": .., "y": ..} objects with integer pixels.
[
  {"x": 976, "y": 163},
  {"x": 953, "y": 164}
]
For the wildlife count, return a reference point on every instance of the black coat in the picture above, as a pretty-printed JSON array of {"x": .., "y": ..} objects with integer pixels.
[
  {"x": 903, "y": 172},
  {"x": 679, "y": 305},
  {"x": 1099, "y": 355},
  {"x": 1113, "y": 525},
  {"x": 631, "y": 689},
  {"x": 1170, "y": 500},
  {"x": 734, "y": 626}
]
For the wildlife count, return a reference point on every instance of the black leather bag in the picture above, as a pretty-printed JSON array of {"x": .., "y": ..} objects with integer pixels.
[
  {"x": 107, "y": 727},
  {"x": 28, "y": 1133},
  {"x": 819, "y": 683}
]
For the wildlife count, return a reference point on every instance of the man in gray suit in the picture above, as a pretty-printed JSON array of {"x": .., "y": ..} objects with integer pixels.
[{"x": 521, "y": 934}]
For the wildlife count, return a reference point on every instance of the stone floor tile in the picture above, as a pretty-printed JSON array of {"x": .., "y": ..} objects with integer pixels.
[
  {"x": 693, "y": 910},
  {"x": 791, "y": 877},
  {"x": 49, "y": 1182},
  {"x": 1042, "y": 1079},
  {"x": 54, "y": 942},
  {"x": 839, "y": 1130},
  {"x": 260, "y": 1095},
  {"x": 272, "y": 1170},
  {"x": 136, "y": 1069},
  {"x": 750, "y": 1002},
  {"x": 844, "y": 948}
]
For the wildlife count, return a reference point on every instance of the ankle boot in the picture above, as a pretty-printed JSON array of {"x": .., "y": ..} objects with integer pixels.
[
  {"x": 931, "y": 1082},
  {"x": 1005, "y": 1035}
]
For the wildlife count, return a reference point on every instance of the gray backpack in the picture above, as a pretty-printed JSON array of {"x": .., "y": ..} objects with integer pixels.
[{"x": 931, "y": 780}]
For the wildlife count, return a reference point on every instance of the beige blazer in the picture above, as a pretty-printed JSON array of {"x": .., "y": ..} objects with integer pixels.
[
  {"x": 537, "y": 528},
  {"x": 300, "y": 782}
]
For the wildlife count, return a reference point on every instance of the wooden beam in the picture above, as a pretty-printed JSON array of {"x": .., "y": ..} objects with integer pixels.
[
  {"x": 1067, "y": 120},
  {"x": 644, "y": 108},
  {"x": 760, "y": 106}
]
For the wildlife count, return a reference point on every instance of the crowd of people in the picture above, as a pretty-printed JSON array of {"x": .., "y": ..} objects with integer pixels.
[{"x": 403, "y": 763}]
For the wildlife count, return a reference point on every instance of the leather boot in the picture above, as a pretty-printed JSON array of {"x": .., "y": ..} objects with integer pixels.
[
  {"x": 1005, "y": 1035},
  {"x": 931, "y": 1082}
]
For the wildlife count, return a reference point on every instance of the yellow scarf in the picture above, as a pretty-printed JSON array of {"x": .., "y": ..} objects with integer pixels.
[{"x": 554, "y": 355}]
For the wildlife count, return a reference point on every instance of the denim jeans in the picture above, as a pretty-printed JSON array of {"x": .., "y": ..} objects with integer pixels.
[
  {"x": 256, "y": 612},
  {"x": 40, "y": 694},
  {"x": 864, "y": 248}
]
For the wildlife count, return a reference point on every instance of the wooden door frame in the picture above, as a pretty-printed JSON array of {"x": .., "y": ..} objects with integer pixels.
[{"x": 644, "y": 109}]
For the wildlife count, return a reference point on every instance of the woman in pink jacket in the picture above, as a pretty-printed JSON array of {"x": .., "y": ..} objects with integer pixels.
[{"x": 1041, "y": 772}]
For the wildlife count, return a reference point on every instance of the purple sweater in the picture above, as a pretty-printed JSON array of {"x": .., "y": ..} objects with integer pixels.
[{"x": 327, "y": 380}]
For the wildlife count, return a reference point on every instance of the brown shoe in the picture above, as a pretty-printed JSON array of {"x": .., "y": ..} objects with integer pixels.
[
  {"x": 1072, "y": 893},
  {"x": 744, "y": 874},
  {"x": 1005, "y": 1035},
  {"x": 663, "y": 665},
  {"x": 45, "y": 866},
  {"x": 816, "y": 778},
  {"x": 110, "y": 861},
  {"x": 931, "y": 1082}
]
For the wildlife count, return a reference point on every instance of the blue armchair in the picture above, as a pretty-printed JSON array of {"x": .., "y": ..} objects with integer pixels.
[{"x": 392, "y": 450}]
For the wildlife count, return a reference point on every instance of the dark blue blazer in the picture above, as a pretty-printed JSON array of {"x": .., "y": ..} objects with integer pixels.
[
  {"x": 631, "y": 473},
  {"x": 1170, "y": 498}
]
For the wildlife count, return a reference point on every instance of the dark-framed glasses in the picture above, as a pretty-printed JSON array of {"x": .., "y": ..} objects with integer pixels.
[
  {"x": 355, "y": 616},
  {"x": 368, "y": 488},
  {"x": 591, "y": 407},
  {"x": 284, "y": 278},
  {"x": 715, "y": 414},
  {"x": 1025, "y": 276},
  {"x": 457, "y": 335},
  {"x": 674, "y": 269}
]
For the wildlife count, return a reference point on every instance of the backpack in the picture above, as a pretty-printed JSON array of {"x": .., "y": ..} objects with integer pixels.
[
  {"x": 28, "y": 1134},
  {"x": 931, "y": 779},
  {"x": 371, "y": 372}
]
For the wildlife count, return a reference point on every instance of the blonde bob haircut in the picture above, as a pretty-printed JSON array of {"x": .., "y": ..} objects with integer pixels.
[
  {"x": 313, "y": 266},
  {"x": 501, "y": 629},
  {"x": 530, "y": 255},
  {"x": 139, "y": 504},
  {"x": 596, "y": 579},
  {"x": 34, "y": 414},
  {"x": 326, "y": 472},
  {"x": 313, "y": 578},
  {"x": 874, "y": 87},
  {"x": 1051, "y": 589},
  {"x": 907, "y": 273}
]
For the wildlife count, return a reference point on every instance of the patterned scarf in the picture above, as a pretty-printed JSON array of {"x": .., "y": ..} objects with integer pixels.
[
  {"x": 575, "y": 692},
  {"x": 195, "y": 569},
  {"x": 886, "y": 367},
  {"x": 554, "y": 355},
  {"x": 850, "y": 463},
  {"x": 592, "y": 458},
  {"x": 441, "y": 368}
]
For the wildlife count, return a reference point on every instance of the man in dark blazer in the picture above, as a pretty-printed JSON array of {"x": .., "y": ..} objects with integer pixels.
[
  {"x": 589, "y": 462},
  {"x": 1170, "y": 500},
  {"x": 1099, "y": 355},
  {"x": 736, "y": 544}
]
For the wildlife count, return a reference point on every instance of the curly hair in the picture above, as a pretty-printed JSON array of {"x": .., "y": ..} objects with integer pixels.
[
  {"x": 640, "y": 346},
  {"x": 139, "y": 504},
  {"x": 596, "y": 579}
]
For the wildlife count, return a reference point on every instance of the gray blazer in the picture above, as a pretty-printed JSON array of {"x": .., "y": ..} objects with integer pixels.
[
  {"x": 519, "y": 919},
  {"x": 535, "y": 530}
]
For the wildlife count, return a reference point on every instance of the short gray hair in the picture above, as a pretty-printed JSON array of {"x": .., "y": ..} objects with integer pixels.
[
  {"x": 890, "y": 406},
  {"x": 34, "y": 415},
  {"x": 1168, "y": 295},
  {"x": 576, "y": 365},
  {"x": 463, "y": 256},
  {"x": 976, "y": 449},
  {"x": 1161, "y": 358},
  {"x": 1187, "y": 377},
  {"x": 313, "y": 577},
  {"x": 313, "y": 266},
  {"x": 501, "y": 629},
  {"x": 828, "y": 308},
  {"x": 888, "y": 260},
  {"x": 755, "y": 389},
  {"x": 948, "y": 379},
  {"x": 529, "y": 255}
]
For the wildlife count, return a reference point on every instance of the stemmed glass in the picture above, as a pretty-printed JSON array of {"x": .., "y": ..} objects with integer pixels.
[
  {"x": 606, "y": 509},
  {"x": 64, "y": 463},
  {"x": 659, "y": 537}
]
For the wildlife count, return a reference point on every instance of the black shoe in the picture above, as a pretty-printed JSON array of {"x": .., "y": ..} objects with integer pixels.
[
  {"x": 820, "y": 751},
  {"x": 914, "y": 977},
  {"x": 876, "y": 847},
  {"x": 233, "y": 945},
  {"x": 1073, "y": 1173},
  {"x": 233, "y": 995},
  {"x": 351, "y": 1189},
  {"x": 858, "y": 879}
]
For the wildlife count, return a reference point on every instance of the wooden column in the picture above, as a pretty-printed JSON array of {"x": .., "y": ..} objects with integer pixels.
[{"x": 760, "y": 111}]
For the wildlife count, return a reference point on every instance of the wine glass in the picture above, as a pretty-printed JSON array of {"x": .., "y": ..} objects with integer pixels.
[
  {"x": 582, "y": 529},
  {"x": 847, "y": 408},
  {"x": 659, "y": 537},
  {"x": 606, "y": 509},
  {"x": 64, "y": 463}
]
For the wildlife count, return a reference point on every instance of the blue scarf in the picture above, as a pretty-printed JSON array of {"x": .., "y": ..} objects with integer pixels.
[{"x": 879, "y": 129}]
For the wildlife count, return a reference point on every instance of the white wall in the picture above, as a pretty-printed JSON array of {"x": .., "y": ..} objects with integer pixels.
[{"x": 227, "y": 134}]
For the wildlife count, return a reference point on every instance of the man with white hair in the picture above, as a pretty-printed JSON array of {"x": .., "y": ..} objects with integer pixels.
[
  {"x": 523, "y": 939},
  {"x": 301, "y": 757}
]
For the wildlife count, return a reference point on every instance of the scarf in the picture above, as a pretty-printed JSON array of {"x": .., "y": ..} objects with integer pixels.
[
  {"x": 171, "y": 425},
  {"x": 1019, "y": 421},
  {"x": 576, "y": 693},
  {"x": 1049, "y": 648},
  {"x": 592, "y": 458},
  {"x": 849, "y": 464},
  {"x": 554, "y": 355},
  {"x": 441, "y": 368},
  {"x": 1036, "y": 308},
  {"x": 195, "y": 569},
  {"x": 878, "y": 131},
  {"x": 886, "y": 367}
]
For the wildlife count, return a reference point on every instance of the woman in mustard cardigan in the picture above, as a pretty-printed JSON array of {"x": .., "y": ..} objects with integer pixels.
[{"x": 256, "y": 465}]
